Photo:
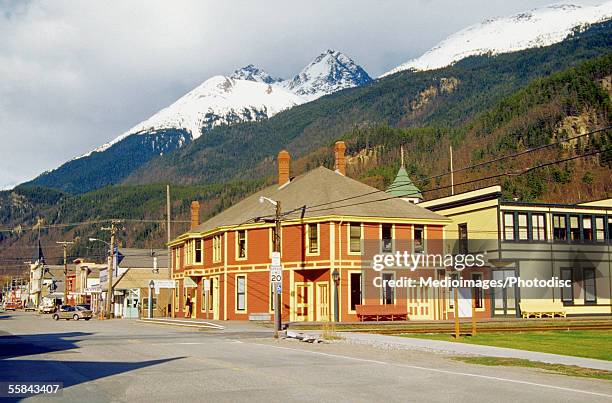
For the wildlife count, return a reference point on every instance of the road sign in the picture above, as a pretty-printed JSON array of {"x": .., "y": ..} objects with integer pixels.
[
  {"x": 279, "y": 288},
  {"x": 276, "y": 274},
  {"x": 206, "y": 285},
  {"x": 276, "y": 256}
]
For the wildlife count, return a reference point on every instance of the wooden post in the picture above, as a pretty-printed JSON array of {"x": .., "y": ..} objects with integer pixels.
[{"x": 456, "y": 297}]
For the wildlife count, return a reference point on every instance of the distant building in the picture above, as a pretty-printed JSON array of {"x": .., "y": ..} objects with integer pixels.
[{"x": 131, "y": 284}]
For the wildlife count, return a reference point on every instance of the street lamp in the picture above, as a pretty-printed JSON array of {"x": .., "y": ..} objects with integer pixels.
[{"x": 336, "y": 279}]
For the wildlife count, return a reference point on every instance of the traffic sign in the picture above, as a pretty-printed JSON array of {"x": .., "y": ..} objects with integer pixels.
[
  {"x": 206, "y": 285},
  {"x": 276, "y": 257},
  {"x": 276, "y": 274},
  {"x": 279, "y": 288}
]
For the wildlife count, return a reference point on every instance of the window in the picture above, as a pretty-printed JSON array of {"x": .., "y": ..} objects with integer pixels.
[
  {"x": 538, "y": 227},
  {"x": 176, "y": 296},
  {"x": 588, "y": 277},
  {"x": 240, "y": 293},
  {"x": 387, "y": 238},
  {"x": 388, "y": 291},
  {"x": 419, "y": 239},
  {"x": 462, "y": 231},
  {"x": 355, "y": 280},
  {"x": 198, "y": 251},
  {"x": 574, "y": 228},
  {"x": 587, "y": 228},
  {"x": 559, "y": 228},
  {"x": 216, "y": 257},
  {"x": 211, "y": 295},
  {"x": 241, "y": 246},
  {"x": 609, "y": 229},
  {"x": 478, "y": 295},
  {"x": 600, "y": 234},
  {"x": 522, "y": 227},
  {"x": 509, "y": 226},
  {"x": 313, "y": 238},
  {"x": 567, "y": 293},
  {"x": 355, "y": 237}
]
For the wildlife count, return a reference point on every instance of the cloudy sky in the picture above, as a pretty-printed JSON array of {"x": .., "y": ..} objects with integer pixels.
[{"x": 75, "y": 74}]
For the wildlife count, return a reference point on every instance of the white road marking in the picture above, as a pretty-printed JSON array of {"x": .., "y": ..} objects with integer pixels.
[{"x": 444, "y": 371}]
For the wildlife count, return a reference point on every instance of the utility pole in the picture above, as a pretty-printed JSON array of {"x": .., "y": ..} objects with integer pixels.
[
  {"x": 112, "y": 259},
  {"x": 65, "y": 246},
  {"x": 170, "y": 260},
  {"x": 452, "y": 172},
  {"x": 277, "y": 248}
]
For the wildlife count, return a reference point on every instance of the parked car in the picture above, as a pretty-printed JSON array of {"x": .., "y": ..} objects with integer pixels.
[
  {"x": 10, "y": 306},
  {"x": 30, "y": 307},
  {"x": 72, "y": 312},
  {"x": 47, "y": 308}
]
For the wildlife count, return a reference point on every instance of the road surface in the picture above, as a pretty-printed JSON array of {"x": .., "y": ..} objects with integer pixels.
[{"x": 123, "y": 360}]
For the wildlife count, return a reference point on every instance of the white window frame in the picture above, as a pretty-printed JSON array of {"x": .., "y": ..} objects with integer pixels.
[
  {"x": 308, "y": 252},
  {"x": 348, "y": 238},
  {"x": 245, "y": 309},
  {"x": 246, "y": 245}
]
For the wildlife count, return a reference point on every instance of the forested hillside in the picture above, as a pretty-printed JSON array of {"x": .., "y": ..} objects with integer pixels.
[{"x": 443, "y": 98}]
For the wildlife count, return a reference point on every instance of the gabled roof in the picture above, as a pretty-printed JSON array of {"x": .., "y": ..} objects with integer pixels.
[
  {"x": 320, "y": 192},
  {"x": 402, "y": 186}
]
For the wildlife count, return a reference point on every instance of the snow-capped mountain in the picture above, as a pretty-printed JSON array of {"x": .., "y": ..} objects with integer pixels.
[
  {"x": 218, "y": 100},
  {"x": 253, "y": 73},
  {"x": 329, "y": 72},
  {"x": 250, "y": 93},
  {"x": 539, "y": 27}
]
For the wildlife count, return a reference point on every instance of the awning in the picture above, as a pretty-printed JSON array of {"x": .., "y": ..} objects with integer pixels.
[{"x": 189, "y": 283}]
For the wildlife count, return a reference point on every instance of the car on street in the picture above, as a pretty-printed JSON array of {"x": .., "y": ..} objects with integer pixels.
[
  {"x": 30, "y": 307},
  {"x": 10, "y": 306},
  {"x": 72, "y": 312}
]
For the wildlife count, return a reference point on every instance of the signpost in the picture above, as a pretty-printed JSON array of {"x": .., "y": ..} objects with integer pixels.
[{"x": 276, "y": 281}]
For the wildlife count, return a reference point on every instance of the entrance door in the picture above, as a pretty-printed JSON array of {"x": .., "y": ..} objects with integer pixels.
[
  {"x": 131, "y": 303},
  {"x": 504, "y": 301},
  {"x": 420, "y": 303},
  {"x": 303, "y": 302},
  {"x": 323, "y": 302}
]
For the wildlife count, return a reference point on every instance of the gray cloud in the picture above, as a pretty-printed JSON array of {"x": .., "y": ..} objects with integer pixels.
[{"x": 75, "y": 74}]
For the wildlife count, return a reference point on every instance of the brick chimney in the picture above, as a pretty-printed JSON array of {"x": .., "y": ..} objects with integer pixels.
[
  {"x": 283, "y": 167},
  {"x": 340, "y": 164},
  {"x": 195, "y": 214}
]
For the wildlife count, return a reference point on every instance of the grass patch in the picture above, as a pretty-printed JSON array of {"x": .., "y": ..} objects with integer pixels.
[
  {"x": 569, "y": 370},
  {"x": 579, "y": 343}
]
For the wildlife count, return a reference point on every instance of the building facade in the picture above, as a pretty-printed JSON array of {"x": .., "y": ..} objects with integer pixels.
[
  {"x": 331, "y": 224},
  {"x": 536, "y": 241}
]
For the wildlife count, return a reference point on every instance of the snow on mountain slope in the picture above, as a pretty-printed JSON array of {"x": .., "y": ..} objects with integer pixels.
[
  {"x": 218, "y": 100},
  {"x": 329, "y": 72},
  {"x": 539, "y": 27},
  {"x": 254, "y": 73}
]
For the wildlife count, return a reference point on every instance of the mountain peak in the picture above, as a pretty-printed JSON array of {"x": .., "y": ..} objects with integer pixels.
[
  {"x": 328, "y": 72},
  {"x": 251, "y": 72},
  {"x": 534, "y": 28}
]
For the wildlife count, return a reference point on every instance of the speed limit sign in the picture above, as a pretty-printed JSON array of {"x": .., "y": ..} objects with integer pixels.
[{"x": 276, "y": 274}]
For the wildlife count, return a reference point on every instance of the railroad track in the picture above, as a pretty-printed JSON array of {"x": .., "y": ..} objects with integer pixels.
[{"x": 485, "y": 329}]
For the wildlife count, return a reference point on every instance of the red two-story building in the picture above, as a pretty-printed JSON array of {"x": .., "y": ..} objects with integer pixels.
[{"x": 331, "y": 226}]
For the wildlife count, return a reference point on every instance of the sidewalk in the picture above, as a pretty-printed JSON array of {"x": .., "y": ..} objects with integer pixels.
[{"x": 474, "y": 349}]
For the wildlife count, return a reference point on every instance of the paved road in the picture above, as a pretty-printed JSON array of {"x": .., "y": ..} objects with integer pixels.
[{"x": 127, "y": 361}]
